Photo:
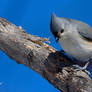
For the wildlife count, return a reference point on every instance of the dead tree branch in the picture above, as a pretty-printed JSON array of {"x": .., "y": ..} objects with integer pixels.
[{"x": 33, "y": 52}]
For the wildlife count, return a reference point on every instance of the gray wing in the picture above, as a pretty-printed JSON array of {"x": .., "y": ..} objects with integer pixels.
[{"x": 84, "y": 29}]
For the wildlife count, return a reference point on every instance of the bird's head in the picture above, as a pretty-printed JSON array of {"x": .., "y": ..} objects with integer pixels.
[{"x": 58, "y": 26}]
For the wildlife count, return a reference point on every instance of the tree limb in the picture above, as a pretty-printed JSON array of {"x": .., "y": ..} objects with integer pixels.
[{"x": 51, "y": 64}]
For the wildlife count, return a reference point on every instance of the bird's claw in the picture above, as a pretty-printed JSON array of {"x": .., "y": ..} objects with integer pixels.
[{"x": 78, "y": 68}]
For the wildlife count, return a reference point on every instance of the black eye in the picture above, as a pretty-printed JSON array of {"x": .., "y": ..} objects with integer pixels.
[{"x": 62, "y": 30}]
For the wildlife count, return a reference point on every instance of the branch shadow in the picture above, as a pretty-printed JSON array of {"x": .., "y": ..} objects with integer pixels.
[{"x": 57, "y": 61}]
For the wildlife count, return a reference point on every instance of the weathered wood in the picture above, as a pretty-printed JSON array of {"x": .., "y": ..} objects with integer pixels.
[{"x": 52, "y": 65}]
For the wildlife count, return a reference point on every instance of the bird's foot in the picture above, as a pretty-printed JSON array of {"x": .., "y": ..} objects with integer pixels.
[{"x": 78, "y": 68}]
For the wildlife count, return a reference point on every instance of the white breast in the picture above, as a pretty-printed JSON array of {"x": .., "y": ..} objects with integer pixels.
[{"x": 76, "y": 47}]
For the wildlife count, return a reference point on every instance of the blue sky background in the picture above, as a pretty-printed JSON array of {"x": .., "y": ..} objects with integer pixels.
[{"x": 34, "y": 16}]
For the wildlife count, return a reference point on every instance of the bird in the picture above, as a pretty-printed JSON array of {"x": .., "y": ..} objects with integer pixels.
[{"x": 75, "y": 38}]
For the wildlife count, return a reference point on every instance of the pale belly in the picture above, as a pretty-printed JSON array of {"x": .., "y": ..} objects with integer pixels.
[{"x": 79, "y": 51}]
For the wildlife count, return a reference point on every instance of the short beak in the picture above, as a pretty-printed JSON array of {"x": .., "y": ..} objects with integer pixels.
[{"x": 57, "y": 39}]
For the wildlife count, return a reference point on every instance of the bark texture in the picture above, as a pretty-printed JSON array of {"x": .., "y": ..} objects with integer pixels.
[{"x": 51, "y": 64}]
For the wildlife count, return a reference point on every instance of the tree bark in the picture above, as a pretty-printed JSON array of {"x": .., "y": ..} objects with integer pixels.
[{"x": 48, "y": 62}]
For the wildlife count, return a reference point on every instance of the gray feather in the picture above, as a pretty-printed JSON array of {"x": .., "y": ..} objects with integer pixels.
[{"x": 84, "y": 29}]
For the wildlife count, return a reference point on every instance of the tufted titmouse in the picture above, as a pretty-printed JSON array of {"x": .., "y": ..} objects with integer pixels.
[{"x": 75, "y": 37}]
